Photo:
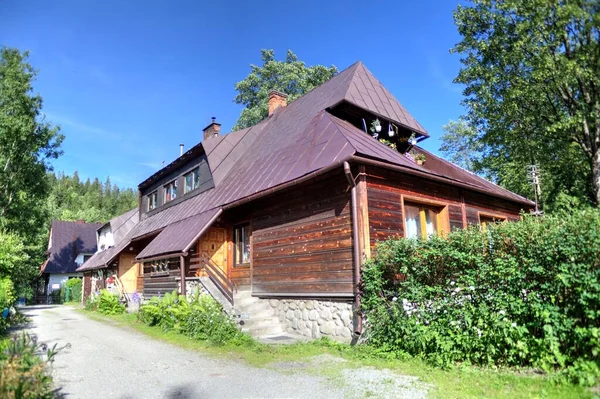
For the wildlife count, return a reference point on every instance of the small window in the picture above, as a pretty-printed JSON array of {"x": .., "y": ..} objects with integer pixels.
[
  {"x": 152, "y": 200},
  {"x": 486, "y": 220},
  {"x": 192, "y": 180},
  {"x": 420, "y": 221},
  {"x": 170, "y": 191},
  {"x": 241, "y": 245},
  {"x": 86, "y": 257}
]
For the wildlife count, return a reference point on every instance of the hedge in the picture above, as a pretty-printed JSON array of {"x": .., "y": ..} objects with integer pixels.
[{"x": 521, "y": 294}]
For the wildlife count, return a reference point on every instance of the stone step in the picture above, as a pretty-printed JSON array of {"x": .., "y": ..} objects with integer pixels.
[
  {"x": 267, "y": 330},
  {"x": 260, "y": 322}
]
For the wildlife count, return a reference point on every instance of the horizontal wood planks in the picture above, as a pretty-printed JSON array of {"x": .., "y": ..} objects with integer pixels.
[
  {"x": 159, "y": 285},
  {"x": 386, "y": 188},
  {"x": 302, "y": 242}
]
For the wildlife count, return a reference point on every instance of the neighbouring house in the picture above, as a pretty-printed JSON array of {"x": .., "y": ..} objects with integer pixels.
[
  {"x": 276, "y": 220},
  {"x": 113, "y": 258},
  {"x": 70, "y": 244}
]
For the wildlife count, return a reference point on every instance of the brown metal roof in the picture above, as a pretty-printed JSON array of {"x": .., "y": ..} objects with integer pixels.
[
  {"x": 295, "y": 141},
  {"x": 179, "y": 236},
  {"x": 68, "y": 240}
]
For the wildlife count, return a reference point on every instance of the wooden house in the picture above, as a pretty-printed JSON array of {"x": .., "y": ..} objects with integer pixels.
[
  {"x": 70, "y": 244},
  {"x": 276, "y": 220},
  {"x": 113, "y": 258}
]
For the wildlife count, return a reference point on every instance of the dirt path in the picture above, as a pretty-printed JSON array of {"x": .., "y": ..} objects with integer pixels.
[{"x": 105, "y": 361}]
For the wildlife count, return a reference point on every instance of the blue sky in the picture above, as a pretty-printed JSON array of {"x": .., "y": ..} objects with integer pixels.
[{"x": 130, "y": 80}]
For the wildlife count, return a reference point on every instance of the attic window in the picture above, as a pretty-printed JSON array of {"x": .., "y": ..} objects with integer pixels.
[
  {"x": 192, "y": 180},
  {"x": 152, "y": 200},
  {"x": 170, "y": 191}
]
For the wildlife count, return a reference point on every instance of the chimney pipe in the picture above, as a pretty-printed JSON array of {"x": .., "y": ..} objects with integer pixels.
[
  {"x": 212, "y": 130},
  {"x": 181, "y": 149},
  {"x": 276, "y": 99}
]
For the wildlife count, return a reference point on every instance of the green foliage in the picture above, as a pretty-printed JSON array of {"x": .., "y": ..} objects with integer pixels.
[
  {"x": 72, "y": 199},
  {"x": 27, "y": 142},
  {"x": 12, "y": 254},
  {"x": 7, "y": 298},
  {"x": 532, "y": 85},
  {"x": 291, "y": 77},
  {"x": 519, "y": 294},
  {"x": 202, "y": 319},
  {"x": 71, "y": 290},
  {"x": 460, "y": 144},
  {"x": 23, "y": 373},
  {"x": 109, "y": 304}
]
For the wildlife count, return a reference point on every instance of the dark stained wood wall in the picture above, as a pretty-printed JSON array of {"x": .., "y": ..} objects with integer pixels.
[
  {"x": 302, "y": 241},
  {"x": 385, "y": 189},
  {"x": 159, "y": 285}
]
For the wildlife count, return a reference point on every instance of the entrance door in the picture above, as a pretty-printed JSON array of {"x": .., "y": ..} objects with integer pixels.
[{"x": 214, "y": 243}]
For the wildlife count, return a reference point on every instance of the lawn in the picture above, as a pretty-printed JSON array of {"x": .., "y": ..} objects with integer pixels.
[{"x": 459, "y": 382}]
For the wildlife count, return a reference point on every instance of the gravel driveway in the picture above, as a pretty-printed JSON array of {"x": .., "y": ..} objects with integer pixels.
[{"x": 106, "y": 361}]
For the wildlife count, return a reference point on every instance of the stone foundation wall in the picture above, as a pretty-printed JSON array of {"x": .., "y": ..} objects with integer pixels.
[
  {"x": 191, "y": 285},
  {"x": 314, "y": 318}
]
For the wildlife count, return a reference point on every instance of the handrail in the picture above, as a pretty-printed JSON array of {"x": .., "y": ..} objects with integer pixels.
[{"x": 215, "y": 273}]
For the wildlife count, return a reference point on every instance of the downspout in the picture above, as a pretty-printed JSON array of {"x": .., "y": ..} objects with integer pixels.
[{"x": 356, "y": 248}]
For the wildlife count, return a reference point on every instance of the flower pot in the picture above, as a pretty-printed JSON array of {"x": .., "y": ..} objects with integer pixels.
[
  {"x": 378, "y": 128},
  {"x": 420, "y": 162}
]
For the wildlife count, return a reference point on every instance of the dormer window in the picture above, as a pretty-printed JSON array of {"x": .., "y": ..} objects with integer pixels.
[
  {"x": 170, "y": 191},
  {"x": 152, "y": 200},
  {"x": 192, "y": 180}
]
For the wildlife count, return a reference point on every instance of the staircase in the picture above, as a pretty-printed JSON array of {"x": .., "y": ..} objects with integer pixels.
[{"x": 255, "y": 316}]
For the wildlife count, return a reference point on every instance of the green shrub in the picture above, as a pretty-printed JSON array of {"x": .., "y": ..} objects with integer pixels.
[
  {"x": 71, "y": 290},
  {"x": 23, "y": 374},
  {"x": 7, "y": 298},
  {"x": 168, "y": 312},
  {"x": 109, "y": 304},
  {"x": 91, "y": 303},
  {"x": 202, "y": 318},
  {"x": 520, "y": 294},
  {"x": 208, "y": 322}
]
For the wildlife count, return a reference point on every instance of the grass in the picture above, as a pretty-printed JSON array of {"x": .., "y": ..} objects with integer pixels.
[{"x": 460, "y": 382}]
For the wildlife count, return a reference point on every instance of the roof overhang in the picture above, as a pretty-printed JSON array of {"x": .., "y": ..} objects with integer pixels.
[{"x": 177, "y": 238}]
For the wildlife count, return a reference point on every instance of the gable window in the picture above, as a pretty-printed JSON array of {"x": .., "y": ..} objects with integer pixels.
[
  {"x": 170, "y": 191},
  {"x": 192, "y": 180},
  {"x": 241, "y": 245},
  {"x": 486, "y": 219},
  {"x": 152, "y": 200}
]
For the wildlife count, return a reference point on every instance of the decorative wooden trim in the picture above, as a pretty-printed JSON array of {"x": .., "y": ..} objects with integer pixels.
[
  {"x": 443, "y": 216},
  {"x": 463, "y": 208},
  {"x": 491, "y": 215}
]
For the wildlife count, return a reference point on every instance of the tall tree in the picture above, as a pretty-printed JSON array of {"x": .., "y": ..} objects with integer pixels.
[
  {"x": 291, "y": 77},
  {"x": 27, "y": 141},
  {"x": 460, "y": 144},
  {"x": 532, "y": 75}
]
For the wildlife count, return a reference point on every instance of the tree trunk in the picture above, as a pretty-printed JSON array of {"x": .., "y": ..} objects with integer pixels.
[{"x": 596, "y": 177}]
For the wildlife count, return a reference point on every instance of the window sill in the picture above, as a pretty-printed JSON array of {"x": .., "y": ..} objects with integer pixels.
[{"x": 242, "y": 265}]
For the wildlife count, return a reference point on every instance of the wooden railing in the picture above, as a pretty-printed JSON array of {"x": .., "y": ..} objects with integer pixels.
[
  {"x": 120, "y": 288},
  {"x": 216, "y": 274}
]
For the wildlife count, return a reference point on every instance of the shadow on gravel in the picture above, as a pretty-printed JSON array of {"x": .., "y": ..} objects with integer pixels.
[{"x": 182, "y": 392}]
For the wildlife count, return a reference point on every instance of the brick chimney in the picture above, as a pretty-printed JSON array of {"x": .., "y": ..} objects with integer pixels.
[
  {"x": 276, "y": 100},
  {"x": 212, "y": 130}
]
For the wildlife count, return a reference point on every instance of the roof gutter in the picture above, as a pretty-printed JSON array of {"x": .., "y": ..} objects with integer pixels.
[
  {"x": 289, "y": 184},
  {"x": 397, "y": 168},
  {"x": 358, "y": 321}
]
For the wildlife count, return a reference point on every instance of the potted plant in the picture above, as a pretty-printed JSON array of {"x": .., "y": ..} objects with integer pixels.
[
  {"x": 420, "y": 159},
  {"x": 375, "y": 126},
  {"x": 388, "y": 143}
]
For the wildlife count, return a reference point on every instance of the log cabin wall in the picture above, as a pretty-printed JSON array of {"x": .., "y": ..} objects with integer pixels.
[
  {"x": 301, "y": 243},
  {"x": 157, "y": 284},
  {"x": 385, "y": 190}
]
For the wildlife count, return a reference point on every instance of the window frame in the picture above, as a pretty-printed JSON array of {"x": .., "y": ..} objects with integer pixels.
[
  {"x": 148, "y": 201},
  {"x": 489, "y": 215},
  {"x": 439, "y": 207},
  {"x": 172, "y": 185},
  {"x": 234, "y": 250},
  {"x": 195, "y": 182}
]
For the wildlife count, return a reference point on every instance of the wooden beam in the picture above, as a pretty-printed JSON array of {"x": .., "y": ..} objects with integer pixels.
[
  {"x": 182, "y": 271},
  {"x": 364, "y": 236}
]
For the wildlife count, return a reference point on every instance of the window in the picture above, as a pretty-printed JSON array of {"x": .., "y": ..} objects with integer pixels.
[
  {"x": 486, "y": 220},
  {"x": 152, "y": 200},
  {"x": 192, "y": 180},
  {"x": 241, "y": 245},
  {"x": 420, "y": 221},
  {"x": 86, "y": 257},
  {"x": 170, "y": 191}
]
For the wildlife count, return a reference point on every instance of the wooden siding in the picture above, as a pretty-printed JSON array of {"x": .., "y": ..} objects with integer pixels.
[
  {"x": 128, "y": 272},
  {"x": 159, "y": 285},
  {"x": 302, "y": 242},
  {"x": 386, "y": 188}
]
